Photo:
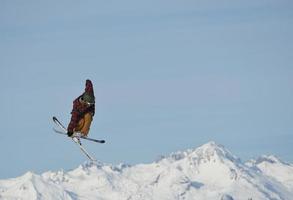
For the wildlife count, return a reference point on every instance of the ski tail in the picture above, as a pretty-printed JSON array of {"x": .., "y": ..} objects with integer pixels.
[
  {"x": 94, "y": 140},
  {"x": 59, "y": 124},
  {"x": 84, "y": 151}
]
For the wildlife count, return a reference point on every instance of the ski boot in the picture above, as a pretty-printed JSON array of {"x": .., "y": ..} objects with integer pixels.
[{"x": 76, "y": 137}]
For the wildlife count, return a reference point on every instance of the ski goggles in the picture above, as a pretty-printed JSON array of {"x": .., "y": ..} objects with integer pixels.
[{"x": 89, "y": 104}]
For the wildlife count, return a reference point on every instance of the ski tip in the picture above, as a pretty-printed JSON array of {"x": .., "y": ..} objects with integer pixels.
[
  {"x": 102, "y": 141},
  {"x": 54, "y": 118}
]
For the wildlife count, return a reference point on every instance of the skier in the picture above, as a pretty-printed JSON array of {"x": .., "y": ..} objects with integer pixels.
[{"x": 82, "y": 112}]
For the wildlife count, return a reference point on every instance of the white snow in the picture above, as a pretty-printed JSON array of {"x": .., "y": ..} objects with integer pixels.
[{"x": 209, "y": 172}]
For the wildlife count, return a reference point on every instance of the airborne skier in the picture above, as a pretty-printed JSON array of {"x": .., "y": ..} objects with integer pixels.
[
  {"x": 82, "y": 112},
  {"x": 81, "y": 118}
]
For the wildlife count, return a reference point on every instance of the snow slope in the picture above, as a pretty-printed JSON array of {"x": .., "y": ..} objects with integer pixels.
[{"x": 209, "y": 172}]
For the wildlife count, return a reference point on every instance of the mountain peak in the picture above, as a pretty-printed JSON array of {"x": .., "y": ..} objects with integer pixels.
[
  {"x": 211, "y": 147},
  {"x": 213, "y": 151},
  {"x": 210, "y": 151},
  {"x": 214, "y": 148}
]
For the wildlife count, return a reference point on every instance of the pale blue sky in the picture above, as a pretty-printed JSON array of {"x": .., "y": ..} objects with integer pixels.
[{"x": 168, "y": 75}]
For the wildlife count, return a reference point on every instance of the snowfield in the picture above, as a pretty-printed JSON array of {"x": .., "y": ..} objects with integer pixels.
[{"x": 209, "y": 172}]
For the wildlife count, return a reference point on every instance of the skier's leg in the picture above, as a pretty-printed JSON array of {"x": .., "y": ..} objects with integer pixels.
[
  {"x": 79, "y": 125},
  {"x": 77, "y": 130},
  {"x": 87, "y": 119}
]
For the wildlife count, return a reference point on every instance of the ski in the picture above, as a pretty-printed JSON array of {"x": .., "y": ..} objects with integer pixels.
[
  {"x": 64, "y": 132},
  {"x": 82, "y": 137}
]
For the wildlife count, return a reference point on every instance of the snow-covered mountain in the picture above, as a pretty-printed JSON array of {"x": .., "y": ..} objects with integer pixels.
[{"x": 209, "y": 172}]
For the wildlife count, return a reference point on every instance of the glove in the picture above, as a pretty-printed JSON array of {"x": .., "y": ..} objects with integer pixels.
[{"x": 69, "y": 133}]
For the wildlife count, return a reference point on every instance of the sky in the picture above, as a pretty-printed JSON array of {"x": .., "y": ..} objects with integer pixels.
[{"x": 168, "y": 76}]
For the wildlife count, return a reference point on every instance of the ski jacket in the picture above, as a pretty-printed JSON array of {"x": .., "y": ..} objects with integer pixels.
[{"x": 80, "y": 109}]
